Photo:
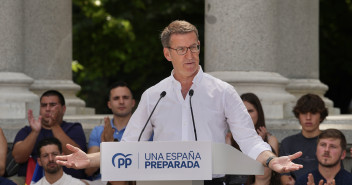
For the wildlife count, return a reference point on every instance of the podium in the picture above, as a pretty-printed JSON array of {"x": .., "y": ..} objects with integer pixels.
[{"x": 173, "y": 163}]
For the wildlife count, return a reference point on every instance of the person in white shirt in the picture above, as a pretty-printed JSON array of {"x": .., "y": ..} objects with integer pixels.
[
  {"x": 48, "y": 149},
  {"x": 217, "y": 107}
]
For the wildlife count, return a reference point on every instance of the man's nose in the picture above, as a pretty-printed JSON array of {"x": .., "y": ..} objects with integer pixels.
[
  {"x": 47, "y": 107},
  {"x": 51, "y": 157},
  {"x": 309, "y": 115},
  {"x": 189, "y": 53}
]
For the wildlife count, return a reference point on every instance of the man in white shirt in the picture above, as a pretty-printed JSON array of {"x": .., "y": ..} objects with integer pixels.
[
  {"x": 217, "y": 108},
  {"x": 48, "y": 149}
]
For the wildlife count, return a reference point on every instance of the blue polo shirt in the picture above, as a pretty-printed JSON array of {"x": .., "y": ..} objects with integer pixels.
[{"x": 94, "y": 138}]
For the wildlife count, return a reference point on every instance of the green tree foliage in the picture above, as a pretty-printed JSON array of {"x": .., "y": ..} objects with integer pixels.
[
  {"x": 336, "y": 50},
  {"x": 118, "y": 40}
]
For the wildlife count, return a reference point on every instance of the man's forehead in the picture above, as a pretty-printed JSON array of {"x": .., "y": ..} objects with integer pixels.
[
  {"x": 120, "y": 91},
  {"x": 49, "y": 99},
  {"x": 49, "y": 148},
  {"x": 329, "y": 140},
  {"x": 178, "y": 38}
]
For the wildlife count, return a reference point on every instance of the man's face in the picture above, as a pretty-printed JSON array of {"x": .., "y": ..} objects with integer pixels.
[
  {"x": 49, "y": 107},
  {"x": 121, "y": 102},
  {"x": 47, "y": 158},
  {"x": 186, "y": 65},
  {"x": 329, "y": 152},
  {"x": 309, "y": 121}
]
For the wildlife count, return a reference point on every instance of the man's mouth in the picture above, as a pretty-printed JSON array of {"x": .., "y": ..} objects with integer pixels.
[{"x": 52, "y": 164}]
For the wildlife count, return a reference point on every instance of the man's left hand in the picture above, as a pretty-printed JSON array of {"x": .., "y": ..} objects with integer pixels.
[
  {"x": 284, "y": 164},
  {"x": 54, "y": 117},
  {"x": 108, "y": 132}
]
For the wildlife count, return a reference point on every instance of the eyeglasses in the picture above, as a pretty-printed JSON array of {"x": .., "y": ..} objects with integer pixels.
[{"x": 183, "y": 50}]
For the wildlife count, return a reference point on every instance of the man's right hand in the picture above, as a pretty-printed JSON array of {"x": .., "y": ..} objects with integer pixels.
[
  {"x": 35, "y": 125},
  {"x": 287, "y": 180},
  {"x": 108, "y": 133}
]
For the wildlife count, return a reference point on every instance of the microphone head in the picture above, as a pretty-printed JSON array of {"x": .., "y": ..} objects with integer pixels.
[
  {"x": 191, "y": 92},
  {"x": 162, "y": 94}
]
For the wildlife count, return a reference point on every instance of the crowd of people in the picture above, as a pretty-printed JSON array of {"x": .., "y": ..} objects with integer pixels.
[{"x": 58, "y": 150}]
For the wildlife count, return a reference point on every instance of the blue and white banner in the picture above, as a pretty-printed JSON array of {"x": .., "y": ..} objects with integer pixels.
[{"x": 123, "y": 161}]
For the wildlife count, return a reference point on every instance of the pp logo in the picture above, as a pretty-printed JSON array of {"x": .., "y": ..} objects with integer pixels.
[{"x": 122, "y": 160}]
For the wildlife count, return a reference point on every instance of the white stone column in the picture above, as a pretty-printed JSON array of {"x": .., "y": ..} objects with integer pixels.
[
  {"x": 15, "y": 97},
  {"x": 48, "y": 53},
  {"x": 298, "y": 57},
  {"x": 241, "y": 47}
]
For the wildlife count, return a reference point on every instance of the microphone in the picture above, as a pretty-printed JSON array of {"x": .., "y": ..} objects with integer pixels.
[
  {"x": 190, "y": 103},
  {"x": 162, "y": 94}
]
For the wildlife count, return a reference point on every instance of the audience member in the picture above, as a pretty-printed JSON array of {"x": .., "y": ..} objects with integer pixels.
[
  {"x": 310, "y": 111},
  {"x": 121, "y": 103},
  {"x": 47, "y": 150},
  {"x": 3, "y": 154},
  {"x": 49, "y": 124},
  {"x": 330, "y": 151},
  {"x": 255, "y": 110}
]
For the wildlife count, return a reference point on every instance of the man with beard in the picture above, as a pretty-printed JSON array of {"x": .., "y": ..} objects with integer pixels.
[
  {"x": 48, "y": 149},
  {"x": 310, "y": 111},
  {"x": 50, "y": 123},
  {"x": 331, "y": 150},
  {"x": 121, "y": 103}
]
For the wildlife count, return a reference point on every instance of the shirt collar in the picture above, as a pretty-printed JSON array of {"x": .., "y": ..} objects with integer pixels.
[
  {"x": 196, "y": 80},
  {"x": 112, "y": 123},
  {"x": 113, "y": 126}
]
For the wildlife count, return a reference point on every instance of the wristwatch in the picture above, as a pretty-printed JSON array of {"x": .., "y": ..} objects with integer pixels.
[{"x": 268, "y": 160}]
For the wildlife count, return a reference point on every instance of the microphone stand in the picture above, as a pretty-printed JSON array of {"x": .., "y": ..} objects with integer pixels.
[
  {"x": 190, "y": 103},
  {"x": 162, "y": 94}
]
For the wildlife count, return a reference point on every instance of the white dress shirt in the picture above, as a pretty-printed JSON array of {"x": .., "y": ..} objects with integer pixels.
[
  {"x": 216, "y": 108},
  {"x": 64, "y": 180}
]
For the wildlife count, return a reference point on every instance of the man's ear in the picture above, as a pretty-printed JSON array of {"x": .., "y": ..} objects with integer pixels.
[
  {"x": 64, "y": 109},
  {"x": 343, "y": 155},
  {"x": 133, "y": 102},
  {"x": 39, "y": 162},
  {"x": 167, "y": 54},
  {"x": 109, "y": 104}
]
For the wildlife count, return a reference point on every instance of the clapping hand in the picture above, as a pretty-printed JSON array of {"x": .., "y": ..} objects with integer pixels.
[
  {"x": 35, "y": 125},
  {"x": 321, "y": 182},
  {"x": 54, "y": 118},
  {"x": 262, "y": 132},
  {"x": 108, "y": 132}
]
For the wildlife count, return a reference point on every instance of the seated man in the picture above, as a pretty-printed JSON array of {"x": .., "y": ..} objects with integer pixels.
[
  {"x": 310, "y": 111},
  {"x": 47, "y": 150},
  {"x": 121, "y": 103},
  {"x": 49, "y": 124},
  {"x": 331, "y": 150}
]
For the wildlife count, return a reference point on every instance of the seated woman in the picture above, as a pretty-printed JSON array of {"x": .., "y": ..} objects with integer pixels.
[{"x": 255, "y": 110}]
